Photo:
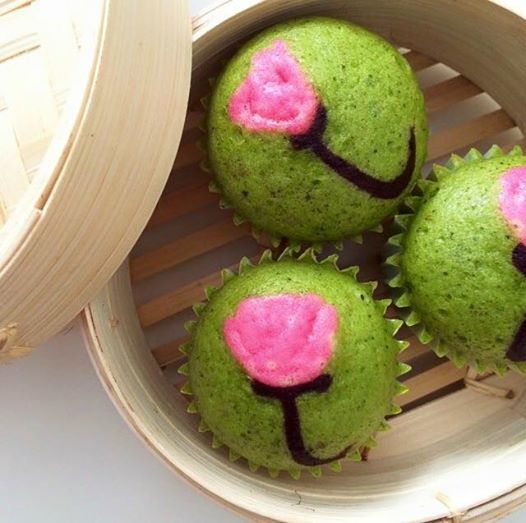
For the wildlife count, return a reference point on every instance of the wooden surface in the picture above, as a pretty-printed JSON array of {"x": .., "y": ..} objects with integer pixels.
[
  {"x": 103, "y": 171},
  {"x": 458, "y": 452}
]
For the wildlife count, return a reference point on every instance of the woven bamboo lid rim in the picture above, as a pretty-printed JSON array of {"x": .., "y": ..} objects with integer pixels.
[{"x": 104, "y": 171}]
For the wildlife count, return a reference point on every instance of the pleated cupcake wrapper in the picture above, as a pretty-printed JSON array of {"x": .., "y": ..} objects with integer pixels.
[
  {"x": 394, "y": 251},
  {"x": 258, "y": 234},
  {"x": 308, "y": 256}
]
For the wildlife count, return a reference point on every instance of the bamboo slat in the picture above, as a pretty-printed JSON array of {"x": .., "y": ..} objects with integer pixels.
[
  {"x": 181, "y": 202},
  {"x": 468, "y": 133},
  {"x": 179, "y": 300},
  {"x": 173, "y": 302},
  {"x": 449, "y": 92},
  {"x": 186, "y": 248},
  {"x": 419, "y": 61},
  {"x": 432, "y": 380}
]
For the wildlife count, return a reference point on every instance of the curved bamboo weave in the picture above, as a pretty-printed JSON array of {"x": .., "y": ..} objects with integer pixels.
[
  {"x": 458, "y": 452},
  {"x": 78, "y": 190},
  {"x": 40, "y": 42}
]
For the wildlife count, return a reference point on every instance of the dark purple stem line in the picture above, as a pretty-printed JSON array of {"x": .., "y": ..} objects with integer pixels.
[
  {"x": 313, "y": 141},
  {"x": 519, "y": 258},
  {"x": 292, "y": 424},
  {"x": 517, "y": 350}
]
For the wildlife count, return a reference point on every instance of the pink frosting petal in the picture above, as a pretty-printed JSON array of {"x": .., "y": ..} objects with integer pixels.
[
  {"x": 284, "y": 339},
  {"x": 276, "y": 95},
  {"x": 513, "y": 200}
]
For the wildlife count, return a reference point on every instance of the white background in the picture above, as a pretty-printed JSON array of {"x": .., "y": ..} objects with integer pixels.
[{"x": 66, "y": 456}]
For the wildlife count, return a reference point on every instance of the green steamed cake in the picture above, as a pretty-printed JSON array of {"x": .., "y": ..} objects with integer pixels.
[
  {"x": 462, "y": 261},
  {"x": 316, "y": 130},
  {"x": 292, "y": 364}
]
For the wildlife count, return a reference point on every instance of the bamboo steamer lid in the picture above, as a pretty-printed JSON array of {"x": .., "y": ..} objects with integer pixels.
[{"x": 93, "y": 96}]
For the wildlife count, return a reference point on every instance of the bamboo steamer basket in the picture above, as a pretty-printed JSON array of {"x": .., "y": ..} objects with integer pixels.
[
  {"x": 92, "y": 101},
  {"x": 458, "y": 452},
  {"x": 73, "y": 202}
]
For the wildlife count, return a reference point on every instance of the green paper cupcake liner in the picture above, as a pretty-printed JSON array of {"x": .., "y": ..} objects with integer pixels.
[
  {"x": 394, "y": 251},
  {"x": 394, "y": 326}
]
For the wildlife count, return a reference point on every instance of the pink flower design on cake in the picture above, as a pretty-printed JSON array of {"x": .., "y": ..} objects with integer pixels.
[
  {"x": 282, "y": 340},
  {"x": 513, "y": 200},
  {"x": 276, "y": 96}
]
